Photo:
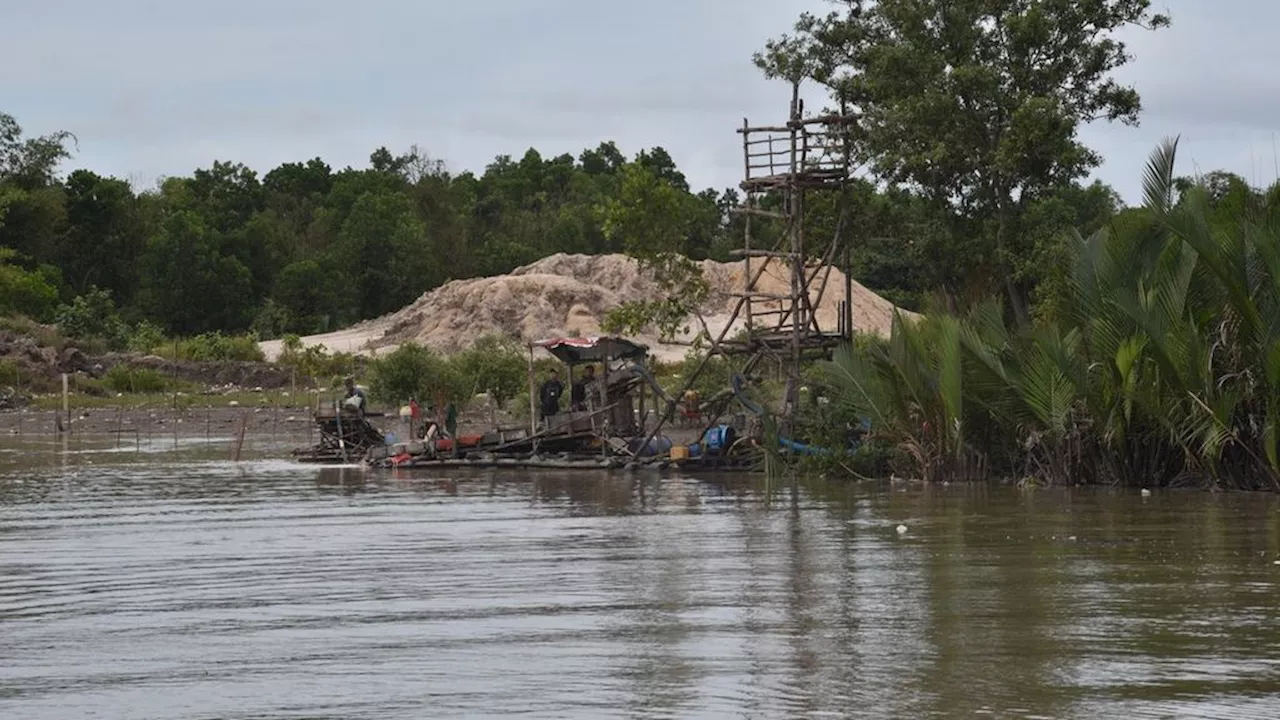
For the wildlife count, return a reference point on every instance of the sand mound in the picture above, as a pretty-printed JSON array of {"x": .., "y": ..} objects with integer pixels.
[{"x": 568, "y": 295}]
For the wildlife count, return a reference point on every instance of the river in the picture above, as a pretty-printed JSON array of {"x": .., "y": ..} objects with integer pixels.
[{"x": 168, "y": 582}]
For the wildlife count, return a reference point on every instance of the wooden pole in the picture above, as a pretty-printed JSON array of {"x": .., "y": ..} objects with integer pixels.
[
  {"x": 533, "y": 407},
  {"x": 746, "y": 228},
  {"x": 66, "y": 400},
  {"x": 175, "y": 373},
  {"x": 244, "y": 423}
]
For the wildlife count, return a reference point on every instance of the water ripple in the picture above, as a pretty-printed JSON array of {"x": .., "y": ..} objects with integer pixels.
[{"x": 207, "y": 589}]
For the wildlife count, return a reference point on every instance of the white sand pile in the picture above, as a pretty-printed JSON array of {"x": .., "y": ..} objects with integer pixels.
[{"x": 568, "y": 295}]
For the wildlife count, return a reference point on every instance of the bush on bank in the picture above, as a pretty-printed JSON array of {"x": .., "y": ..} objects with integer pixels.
[{"x": 1159, "y": 366}]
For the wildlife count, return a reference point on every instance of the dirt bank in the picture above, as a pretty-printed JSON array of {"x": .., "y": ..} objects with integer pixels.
[
  {"x": 569, "y": 295},
  {"x": 30, "y": 366}
]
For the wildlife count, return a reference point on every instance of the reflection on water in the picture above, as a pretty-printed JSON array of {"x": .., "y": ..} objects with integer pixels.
[{"x": 187, "y": 586}]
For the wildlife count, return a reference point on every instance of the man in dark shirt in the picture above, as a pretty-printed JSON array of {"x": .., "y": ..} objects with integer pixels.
[
  {"x": 582, "y": 388},
  {"x": 359, "y": 401},
  {"x": 549, "y": 395}
]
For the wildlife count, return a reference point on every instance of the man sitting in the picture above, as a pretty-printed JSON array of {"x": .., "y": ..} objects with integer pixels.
[{"x": 355, "y": 399}]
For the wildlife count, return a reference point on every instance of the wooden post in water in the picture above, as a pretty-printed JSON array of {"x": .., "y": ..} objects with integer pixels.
[
  {"x": 66, "y": 401},
  {"x": 244, "y": 423},
  {"x": 175, "y": 378}
]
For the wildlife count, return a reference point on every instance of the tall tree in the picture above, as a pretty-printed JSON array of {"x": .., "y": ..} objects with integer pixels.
[
  {"x": 189, "y": 285},
  {"x": 103, "y": 238},
  {"x": 977, "y": 103},
  {"x": 32, "y": 162}
]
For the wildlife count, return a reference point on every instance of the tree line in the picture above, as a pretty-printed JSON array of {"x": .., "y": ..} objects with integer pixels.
[{"x": 305, "y": 248}]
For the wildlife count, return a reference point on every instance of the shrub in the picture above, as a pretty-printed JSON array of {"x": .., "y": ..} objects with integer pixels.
[
  {"x": 93, "y": 315},
  {"x": 315, "y": 361},
  {"x": 127, "y": 379},
  {"x": 413, "y": 371},
  {"x": 494, "y": 364},
  {"x": 146, "y": 337},
  {"x": 214, "y": 347},
  {"x": 9, "y": 372},
  {"x": 22, "y": 291}
]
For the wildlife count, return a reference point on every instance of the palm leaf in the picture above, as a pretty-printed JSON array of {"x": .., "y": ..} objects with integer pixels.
[{"x": 1157, "y": 181}]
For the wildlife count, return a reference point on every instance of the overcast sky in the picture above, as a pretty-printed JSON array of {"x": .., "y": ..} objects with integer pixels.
[{"x": 155, "y": 88}]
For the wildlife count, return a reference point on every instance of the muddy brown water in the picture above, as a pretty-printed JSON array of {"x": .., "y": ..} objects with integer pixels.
[{"x": 163, "y": 581}]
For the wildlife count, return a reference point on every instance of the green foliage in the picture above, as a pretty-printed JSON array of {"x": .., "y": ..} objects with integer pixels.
[
  {"x": 714, "y": 378},
  {"x": 10, "y": 374},
  {"x": 494, "y": 364},
  {"x": 413, "y": 371},
  {"x": 127, "y": 379},
  {"x": 1160, "y": 365},
  {"x": 213, "y": 347},
  {"x": 976, "y": 104},
  {"x": 23, "y": 291},
  {"x": 314, "y": 361},
  {"x": 653, "y": 220},
  {"x": 33, "y": 162},
  {"x": 146, "y": 337},
  {"x": 93, "y": 315}
]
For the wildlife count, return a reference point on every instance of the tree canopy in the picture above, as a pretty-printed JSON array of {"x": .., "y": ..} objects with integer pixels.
[{"x": 974, "y": 104}]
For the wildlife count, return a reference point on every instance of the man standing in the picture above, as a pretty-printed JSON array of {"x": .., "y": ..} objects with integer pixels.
[
  {"x": 549, "y": 395},
  {"x": 583, "y": 388}
]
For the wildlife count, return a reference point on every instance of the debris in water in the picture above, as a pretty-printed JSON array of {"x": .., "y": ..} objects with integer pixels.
[{"x": 902, "y": 529}]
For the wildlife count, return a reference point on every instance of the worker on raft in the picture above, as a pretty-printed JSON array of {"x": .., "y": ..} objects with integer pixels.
[
  {"x": 583, "y": 389},
  {"x": 549, "y": 395},
  {"x": 354, "y": 399}
]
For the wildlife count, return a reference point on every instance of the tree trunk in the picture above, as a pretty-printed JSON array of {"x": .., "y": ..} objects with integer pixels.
[{"x": 1017, "y": 298}]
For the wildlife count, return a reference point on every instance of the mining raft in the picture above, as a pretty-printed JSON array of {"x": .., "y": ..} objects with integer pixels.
[{"x": 618, "y": 422}]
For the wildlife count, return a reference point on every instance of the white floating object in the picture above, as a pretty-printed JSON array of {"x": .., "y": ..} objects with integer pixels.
[
  {"x": 1146, "y": 492},
  {"x": 234, "y": 403},
  {"x": 902, "y": 529}
]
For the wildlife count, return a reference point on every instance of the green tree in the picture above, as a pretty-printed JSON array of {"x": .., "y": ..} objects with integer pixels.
[
  {"x": 652, "y": 219},
  {"x": 414, "y": 371},
  {"x": 494, "y": 364},
  {"x": 103, "y": 236},
  {"x": 976, "y": 103},
  {"x": 30, "y": 163},
  {"x": 189, "y": 285},
  {"x": 384, "y": 253}
]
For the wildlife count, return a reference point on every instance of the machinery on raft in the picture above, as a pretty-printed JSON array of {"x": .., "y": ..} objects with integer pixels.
[{"x": 617, "y": 425}]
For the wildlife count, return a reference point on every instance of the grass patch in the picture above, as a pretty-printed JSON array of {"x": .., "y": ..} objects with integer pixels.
[
  {"x": 126, "y": 379},
  {"x": 45, "y": 335}
]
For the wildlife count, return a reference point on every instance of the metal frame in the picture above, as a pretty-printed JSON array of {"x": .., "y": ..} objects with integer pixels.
[{"x": 786, "y": 162}]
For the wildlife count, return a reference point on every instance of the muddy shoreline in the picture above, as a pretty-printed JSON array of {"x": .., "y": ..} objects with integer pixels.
[{"x": 292, "y": 422}]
